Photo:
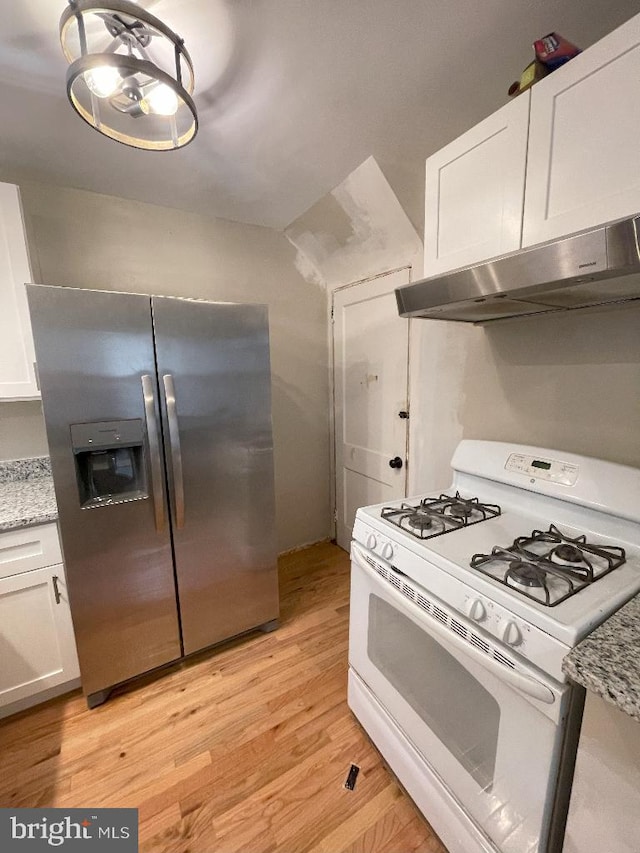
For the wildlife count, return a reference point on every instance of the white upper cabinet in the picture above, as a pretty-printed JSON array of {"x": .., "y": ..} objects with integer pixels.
[
  {"x": 576, "y": 135},
  {"x": 584, "y": 143},
  {"x": 475, "y": 191},
  {"x": 17, "y": 358}
]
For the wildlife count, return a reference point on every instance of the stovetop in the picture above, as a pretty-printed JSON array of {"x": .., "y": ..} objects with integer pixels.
[
  {"x": 434, "y": 516},
  {"x": 549, "y": 566},
  {"x": 545, "y": 565},
  {"x": 568, "y": 620}
]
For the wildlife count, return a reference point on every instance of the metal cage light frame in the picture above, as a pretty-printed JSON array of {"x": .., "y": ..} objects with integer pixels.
[{"x": 150, "y": 107}]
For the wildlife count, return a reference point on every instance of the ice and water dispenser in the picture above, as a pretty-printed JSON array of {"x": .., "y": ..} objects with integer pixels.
[{"x": 109, "y": 458}]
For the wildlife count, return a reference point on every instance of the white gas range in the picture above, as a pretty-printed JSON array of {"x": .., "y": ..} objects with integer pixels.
[{"x": 463, "y": 606}]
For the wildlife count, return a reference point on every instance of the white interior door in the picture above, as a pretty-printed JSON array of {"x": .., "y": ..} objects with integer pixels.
[{"x": 371, "y": 348}]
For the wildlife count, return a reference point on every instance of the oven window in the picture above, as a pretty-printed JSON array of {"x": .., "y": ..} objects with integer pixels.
[{"x": 462, "y": 714}]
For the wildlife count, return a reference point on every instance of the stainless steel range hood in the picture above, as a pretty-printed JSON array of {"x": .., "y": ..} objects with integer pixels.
[{"x": 595, "y": 267}]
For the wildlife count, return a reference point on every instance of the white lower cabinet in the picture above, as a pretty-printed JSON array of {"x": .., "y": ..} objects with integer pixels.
[{"x": 38, "y": 657}]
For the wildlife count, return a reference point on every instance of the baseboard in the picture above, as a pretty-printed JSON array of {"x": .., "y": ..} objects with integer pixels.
[
  {"x": 324, "y": 541},
  {"x": 39, "y": 698}
]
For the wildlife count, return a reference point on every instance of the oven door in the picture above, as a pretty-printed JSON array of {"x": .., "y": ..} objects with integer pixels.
[{"x": 490, "y": 732}]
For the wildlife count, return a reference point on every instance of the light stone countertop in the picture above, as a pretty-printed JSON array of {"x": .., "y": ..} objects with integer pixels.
[
  {"x": 26, "y": 493},
  {"x": 607, "y": 662}
]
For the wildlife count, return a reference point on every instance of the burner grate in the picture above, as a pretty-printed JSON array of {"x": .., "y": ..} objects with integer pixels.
[
  {"x": 436, "y": 516},
  {"x": 548, "y": 566}
]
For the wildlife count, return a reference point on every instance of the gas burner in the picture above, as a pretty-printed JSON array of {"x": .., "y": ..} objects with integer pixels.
[
  {"x": 435, "y": 516},
  {"x": 521, "y": 573},
  {"x": 549, "y": 566},
  {"x": 459, "y": 509},
  {"x": 568, "y": 552},
  {"x": 465, "y": 510},
  {"x": 420, "y": 521},
  {"x": 567, "y": 555}
]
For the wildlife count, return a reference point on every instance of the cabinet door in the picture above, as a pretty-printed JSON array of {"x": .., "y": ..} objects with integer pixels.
[
  {"x": 37, "y": 646},
  {"x": 475, "y": 190},
  {"x": 584, "y": 155},
  {"x": 17, "y": 358},
  {"x": 29, "y": 548}
]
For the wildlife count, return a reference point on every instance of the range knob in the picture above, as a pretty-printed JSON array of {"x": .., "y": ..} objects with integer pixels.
[
  {"x": 387, "y": 550},
  {"x": 371, "y": 542},
  {"x": 476, "y": 610},
  {"x": 511, "y": 634}
]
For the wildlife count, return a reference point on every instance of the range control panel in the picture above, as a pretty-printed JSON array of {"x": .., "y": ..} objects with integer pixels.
[{"x": 553, "y": 470}]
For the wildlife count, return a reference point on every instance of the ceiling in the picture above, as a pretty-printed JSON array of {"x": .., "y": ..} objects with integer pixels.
[{"x": 292, "y": 95}]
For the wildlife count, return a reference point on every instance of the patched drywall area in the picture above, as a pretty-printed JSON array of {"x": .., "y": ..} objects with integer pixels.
[{"x": 356, "y": 231}]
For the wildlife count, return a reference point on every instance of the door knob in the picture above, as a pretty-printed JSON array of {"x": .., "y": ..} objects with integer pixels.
[
  {"x": 396, "y": 462},
  {"x": 403, "y": 414}
]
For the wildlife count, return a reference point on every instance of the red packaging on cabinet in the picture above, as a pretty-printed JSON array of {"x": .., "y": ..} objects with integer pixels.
[{"x": 553, "y": 50}]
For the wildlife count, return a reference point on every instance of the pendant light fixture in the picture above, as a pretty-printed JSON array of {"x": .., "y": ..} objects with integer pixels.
[{"x": 130, "y": 76}]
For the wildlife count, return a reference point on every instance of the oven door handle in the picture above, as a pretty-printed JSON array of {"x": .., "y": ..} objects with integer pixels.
[{"x": 524, "y": 683}]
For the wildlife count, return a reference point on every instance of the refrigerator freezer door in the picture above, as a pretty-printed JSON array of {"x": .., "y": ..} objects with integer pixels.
[
  {"x": 93, "y": 350},
  {"x": 213, "y": 365}
]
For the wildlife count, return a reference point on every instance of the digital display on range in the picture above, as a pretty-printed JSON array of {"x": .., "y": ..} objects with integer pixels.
[{"x": 538, "y": 463}]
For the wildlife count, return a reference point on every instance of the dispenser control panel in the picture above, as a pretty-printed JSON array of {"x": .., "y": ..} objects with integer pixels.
[{"x": 109, "y": 457}]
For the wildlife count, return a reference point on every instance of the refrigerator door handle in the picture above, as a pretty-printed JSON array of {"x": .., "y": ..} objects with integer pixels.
[
  {"x": 176, "y": 452},
  {"x": 157, "y": 489}
]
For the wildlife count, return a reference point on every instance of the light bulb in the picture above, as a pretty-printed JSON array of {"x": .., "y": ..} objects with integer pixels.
[
  {"x": 161, "y": 100},
  {"x": 103, "y": 80}
]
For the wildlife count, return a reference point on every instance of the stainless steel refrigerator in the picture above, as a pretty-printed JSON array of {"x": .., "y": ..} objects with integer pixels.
[{"x": 158, "y": 416}]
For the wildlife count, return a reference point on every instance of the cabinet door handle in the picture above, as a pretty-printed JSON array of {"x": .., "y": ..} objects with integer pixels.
[{"x": 56, "y": 591}]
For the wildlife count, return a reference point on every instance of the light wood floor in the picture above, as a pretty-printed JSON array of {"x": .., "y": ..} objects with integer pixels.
[{"x": 245, "y": 749}]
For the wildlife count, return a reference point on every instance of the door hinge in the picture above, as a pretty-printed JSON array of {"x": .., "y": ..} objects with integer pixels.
[{"x": 335, "y": 514}]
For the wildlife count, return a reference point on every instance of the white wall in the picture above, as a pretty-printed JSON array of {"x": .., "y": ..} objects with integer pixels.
[
  {"x": 83, "y": 239},
  {"x": 22, "y": 431},
  {"x": 567, "y": 381}
]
